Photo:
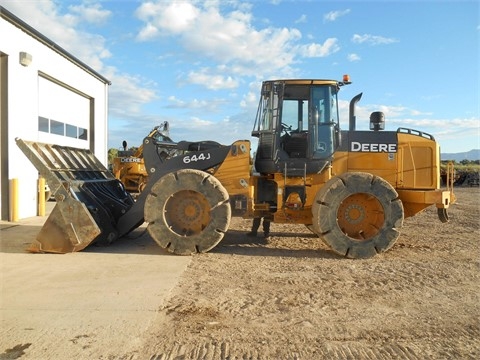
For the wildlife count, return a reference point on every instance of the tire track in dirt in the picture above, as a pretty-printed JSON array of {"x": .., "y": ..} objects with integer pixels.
[
  {"x": 328, "y": 351},
  {"x": 292, "y": 298}
]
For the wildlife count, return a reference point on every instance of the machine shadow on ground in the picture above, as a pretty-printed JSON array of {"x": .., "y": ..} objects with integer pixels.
[
  {"x": 279, "y": 244},
  {"x": 17, "y": 239}
]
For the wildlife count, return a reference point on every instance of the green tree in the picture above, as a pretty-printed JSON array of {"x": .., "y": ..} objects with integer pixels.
[{"x": 112, "y": 154}]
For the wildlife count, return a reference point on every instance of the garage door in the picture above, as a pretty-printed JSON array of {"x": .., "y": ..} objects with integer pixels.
[{"x": 62, "y": 111}]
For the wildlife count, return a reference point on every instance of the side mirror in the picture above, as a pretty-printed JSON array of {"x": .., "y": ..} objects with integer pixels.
[{"x": 338, "y": 136}]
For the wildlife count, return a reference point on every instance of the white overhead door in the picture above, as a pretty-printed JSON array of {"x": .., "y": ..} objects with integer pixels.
[{"x": 62, "y": 111}]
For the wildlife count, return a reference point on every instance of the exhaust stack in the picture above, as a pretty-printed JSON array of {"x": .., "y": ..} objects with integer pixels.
[{"x": 352, "y": 117}]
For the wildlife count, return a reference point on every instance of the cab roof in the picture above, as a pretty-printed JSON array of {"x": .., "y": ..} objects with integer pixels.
[{"x": 305, "y": 81}]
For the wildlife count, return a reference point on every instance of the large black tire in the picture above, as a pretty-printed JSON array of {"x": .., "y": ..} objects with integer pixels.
[
  {"x": 358, "y": 215},
  {"x": 188, "y": 212}
]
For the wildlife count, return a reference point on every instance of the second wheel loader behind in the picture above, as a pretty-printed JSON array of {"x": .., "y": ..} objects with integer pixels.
[{"x": 129, "y": 167}]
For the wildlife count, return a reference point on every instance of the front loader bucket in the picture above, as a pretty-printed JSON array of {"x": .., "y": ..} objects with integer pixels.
[
  {"x": 89, "y": 200},
  {"x": 69, "y": 228}
]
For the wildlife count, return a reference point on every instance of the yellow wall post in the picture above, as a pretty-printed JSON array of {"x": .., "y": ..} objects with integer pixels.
[
  {"x": 41, "y": 196},
  {"x": 13, "y": 215}
]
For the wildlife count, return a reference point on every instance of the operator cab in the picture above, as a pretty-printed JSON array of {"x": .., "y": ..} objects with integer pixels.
[{"x": 297, "y": 124}]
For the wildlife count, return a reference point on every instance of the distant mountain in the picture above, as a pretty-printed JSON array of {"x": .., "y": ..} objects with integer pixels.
[{"x": 469, "y": 155}]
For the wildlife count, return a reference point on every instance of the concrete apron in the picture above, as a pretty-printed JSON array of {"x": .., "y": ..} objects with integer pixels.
[{"x": 73, "y": 305}]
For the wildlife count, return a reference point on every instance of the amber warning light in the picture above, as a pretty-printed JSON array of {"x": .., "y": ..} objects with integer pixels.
[{"x": 346, "y": 79}]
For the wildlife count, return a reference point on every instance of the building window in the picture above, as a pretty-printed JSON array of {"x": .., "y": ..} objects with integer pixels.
[
  {"x": 57, "y": 127},
  {"x": 43, "y": 124},
  {"x": 60, "y": 128},
  {"x": 82, "y": 134},
  {"x": 71, "y": 131}
]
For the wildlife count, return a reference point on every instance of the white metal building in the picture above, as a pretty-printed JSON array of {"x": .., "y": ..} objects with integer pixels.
[{"x": 46, "y": 95}]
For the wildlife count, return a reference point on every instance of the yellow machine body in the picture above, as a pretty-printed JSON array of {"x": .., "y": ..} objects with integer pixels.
[
  {"x": 129, "y": 168},
  {"x": 351, "y": 188}
]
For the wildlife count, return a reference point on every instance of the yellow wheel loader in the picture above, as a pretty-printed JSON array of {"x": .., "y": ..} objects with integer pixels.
[
  {"x": 352, "y": 188},
  {"x": 129, "y": 167}
]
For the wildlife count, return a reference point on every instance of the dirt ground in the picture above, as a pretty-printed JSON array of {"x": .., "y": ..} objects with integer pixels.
[{"x": 292, "y": 298}]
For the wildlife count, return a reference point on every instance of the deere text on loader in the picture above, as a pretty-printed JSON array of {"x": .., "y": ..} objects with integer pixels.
[{"x": 352, "y": 188}]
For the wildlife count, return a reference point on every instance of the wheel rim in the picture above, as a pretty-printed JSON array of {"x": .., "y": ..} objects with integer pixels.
[
  {"x": 187, "y": 212},
  {"x": 360, "y": 216}
]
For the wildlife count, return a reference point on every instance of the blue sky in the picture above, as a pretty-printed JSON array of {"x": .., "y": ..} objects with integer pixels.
[{"x": 199, "y": 64}]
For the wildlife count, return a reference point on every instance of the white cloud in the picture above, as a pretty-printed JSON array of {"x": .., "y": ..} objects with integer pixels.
[
  {"x": 174, "y": 17},
  {"x": 128, "y": 94},
  {"x": 401, "y": 116},
  {"x": 329, "y": 47},
  {"x": 223, "y": 32},
  {"x": 419, "y": 113},
  {"x": 176, "y": 103},
  {"x": 194, "y": 128},
  {"x": 393, "y": 111},
  {"x": 205, "y": 106},
  {"x": 441, "y": 129},
  {"x": 212, "y": 81},
  {"x": 334, "y": 15},
  {"x": 148, "y": 32},
  {"x": 250, "y": 100},
  {"x": 93, "y": 14},
  {"x": 372, "y": 39},
  {"x": 353, "y": 57},
  {"x": 301, "y": 19}
]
